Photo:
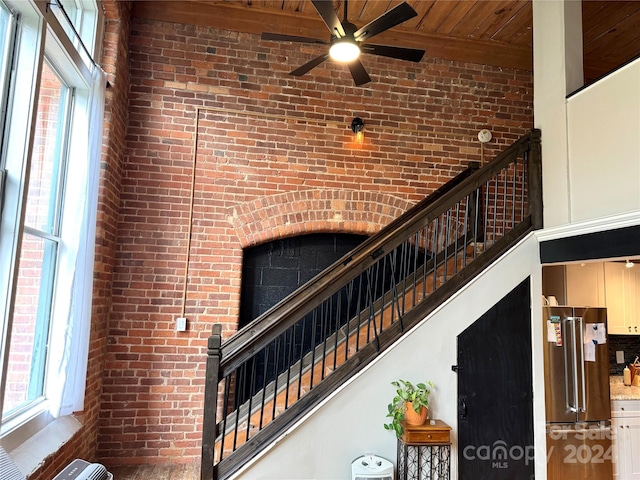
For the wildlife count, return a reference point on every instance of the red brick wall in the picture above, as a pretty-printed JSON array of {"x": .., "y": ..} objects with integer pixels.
[
  {"x": 274, "y": 158},
  {"x": 115, "y": 62}
]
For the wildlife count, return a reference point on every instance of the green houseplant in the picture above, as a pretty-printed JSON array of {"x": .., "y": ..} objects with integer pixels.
[{"x": 408, "y": 396}]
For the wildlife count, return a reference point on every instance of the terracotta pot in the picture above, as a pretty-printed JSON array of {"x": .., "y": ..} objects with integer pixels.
[{"x": 413, "y": 418}]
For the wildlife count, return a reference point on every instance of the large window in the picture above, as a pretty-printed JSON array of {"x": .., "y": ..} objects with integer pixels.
[
  {"x": 39, "y": 250},
  {"x": 47, "y": 115}
]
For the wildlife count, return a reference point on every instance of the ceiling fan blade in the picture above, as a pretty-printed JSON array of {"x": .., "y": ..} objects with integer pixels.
[
  {"x": 309, "y": 65},
  {"x": 395, "y": 16},
  {"x": 359, "y": 74},
  {"x": 290, "y": 38},
  {"x": 330, "y": 17},
  {"x": 401, "y": 53}
]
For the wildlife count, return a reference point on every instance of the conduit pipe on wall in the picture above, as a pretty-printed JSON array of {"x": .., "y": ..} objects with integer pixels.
[{"x": 191, "y": 199}]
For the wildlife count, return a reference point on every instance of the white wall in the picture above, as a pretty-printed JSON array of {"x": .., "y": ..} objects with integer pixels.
[
  {"x": 604, "y": 146},
  {"x": 591, "y": 141},
  {"x": 350, "y": 423},
  {"x": 557, "y": 66}
]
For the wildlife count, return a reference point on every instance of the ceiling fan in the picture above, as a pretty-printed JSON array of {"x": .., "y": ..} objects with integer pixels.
[{"x": 348, "y": 41}]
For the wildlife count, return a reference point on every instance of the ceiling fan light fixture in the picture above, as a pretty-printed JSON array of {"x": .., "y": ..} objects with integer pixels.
[
  {"x": 344, "y": 51},
  {"x": 347, "y": 41}
]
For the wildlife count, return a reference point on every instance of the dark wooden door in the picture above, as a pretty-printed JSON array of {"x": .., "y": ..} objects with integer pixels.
[{"x": 495, "y": 392}]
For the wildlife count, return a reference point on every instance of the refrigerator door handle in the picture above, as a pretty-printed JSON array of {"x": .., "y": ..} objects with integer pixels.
[
  {"x": 566, "y": 368},
  {"x": 582, "y": 374},
  {"x": 570, "y": 328}
]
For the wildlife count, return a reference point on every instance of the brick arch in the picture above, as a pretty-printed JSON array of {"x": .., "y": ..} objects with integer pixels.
[{"x": 298, "y": 213}]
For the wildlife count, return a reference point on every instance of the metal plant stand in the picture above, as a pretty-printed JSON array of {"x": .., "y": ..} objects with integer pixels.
[{"x": 424, "y": 452}]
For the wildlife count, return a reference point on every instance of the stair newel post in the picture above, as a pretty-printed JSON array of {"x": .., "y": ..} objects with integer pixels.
[
  {"x": 534, "y": 168},
  {"x": 212, "y": 379}
]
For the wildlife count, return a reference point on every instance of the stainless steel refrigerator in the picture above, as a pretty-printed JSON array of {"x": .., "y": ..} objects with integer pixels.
[{"x": 578, "y": 407}]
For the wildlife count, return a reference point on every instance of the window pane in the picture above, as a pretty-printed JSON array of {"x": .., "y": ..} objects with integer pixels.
[
  {"x": 30, "y": 329},
  {"x": 73, "y": 15},
  {"x": 45, "y": 173},
  {"x": 6, "y": 48},
  {"x": 79, "y": 24}
]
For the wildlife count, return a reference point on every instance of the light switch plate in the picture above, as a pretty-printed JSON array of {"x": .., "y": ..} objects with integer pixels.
[
  {"x": 181, "y": 324},
  {"x": 619, "y": 356}
]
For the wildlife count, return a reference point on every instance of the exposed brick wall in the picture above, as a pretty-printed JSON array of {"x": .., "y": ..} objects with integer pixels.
[
  {"x": 295, "y": 213},
  {"x": 115, "y": 62},
  {"x": 267, "y": 145}
]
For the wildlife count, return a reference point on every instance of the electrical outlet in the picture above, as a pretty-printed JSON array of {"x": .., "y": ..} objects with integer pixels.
[
  {"x": 181, "y": 324},
  {"x": 619, "y": 356}
]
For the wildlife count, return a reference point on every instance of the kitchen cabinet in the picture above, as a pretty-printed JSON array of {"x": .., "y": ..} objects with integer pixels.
[
  {"x": 599, "y": 284},
  {"x": 586, "y": 285},
  {"x": 625, "y": 422},
  {"x": 554, "y": 282},
  {"x": 576, "y": 284},
  {"x": 622, "y": 289}
]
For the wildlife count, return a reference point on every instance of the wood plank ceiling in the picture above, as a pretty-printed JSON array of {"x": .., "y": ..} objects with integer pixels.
[{"x": 495, "y": 32}]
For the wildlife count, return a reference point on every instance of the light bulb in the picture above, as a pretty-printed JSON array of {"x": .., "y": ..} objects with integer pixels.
[
  {"x": 357, "y": 127},
  {"x": 344, "y": 51},
  {"x": 628, "y": 264}
]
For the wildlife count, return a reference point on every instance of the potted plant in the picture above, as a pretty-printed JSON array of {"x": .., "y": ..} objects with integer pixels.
[{"x": 410, "y": 404}]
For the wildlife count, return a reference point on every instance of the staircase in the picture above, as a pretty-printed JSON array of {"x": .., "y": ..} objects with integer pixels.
[{"x": 281, "y": 365}]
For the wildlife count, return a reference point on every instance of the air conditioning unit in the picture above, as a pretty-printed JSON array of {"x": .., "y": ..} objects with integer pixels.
[
  {"x": 8, "y": 469},
  {"x": 83, "y": 470},
  {"x": 371, "y": 467}
]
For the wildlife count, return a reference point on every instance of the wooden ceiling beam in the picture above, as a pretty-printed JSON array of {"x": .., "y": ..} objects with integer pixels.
[{"x": 236, "y": 17}]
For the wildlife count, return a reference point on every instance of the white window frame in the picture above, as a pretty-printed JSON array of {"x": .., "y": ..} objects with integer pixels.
[
  {"x": 39, "y": 33},
  {"x": 88, "y": 21},
  {"x": 55, "y": 237}
]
